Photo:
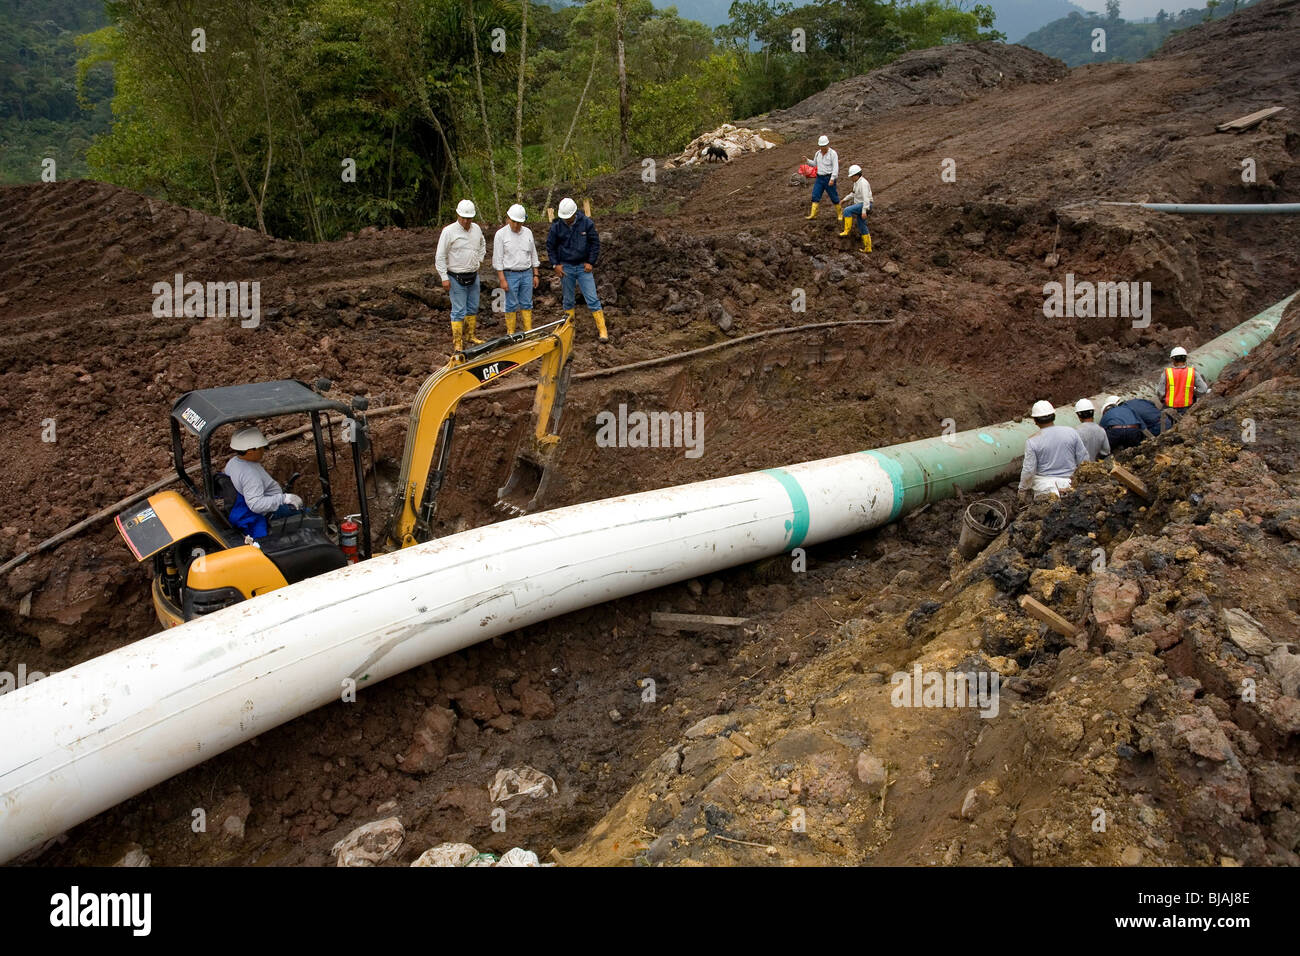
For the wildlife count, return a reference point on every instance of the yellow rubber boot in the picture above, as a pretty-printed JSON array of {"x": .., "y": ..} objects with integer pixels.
[
  {"x": 510, "y": 323},
  {"x": 470, "y": 322},
  {"x": 528, "y": 319},
  {"x": 458, "y": 336},
  {"x": 839, "y": 210},
  {"x": 866, "y": 243},
  {"x": 813, "y": 214},
  {"x": 599, "y": 316},
  {"x": 847, "y": 226}
]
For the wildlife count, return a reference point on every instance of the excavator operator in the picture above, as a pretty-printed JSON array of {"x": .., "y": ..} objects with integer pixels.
[{"x": 259, "y": 495}]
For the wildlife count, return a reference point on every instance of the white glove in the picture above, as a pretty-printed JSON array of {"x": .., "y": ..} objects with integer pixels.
[{"x": 293, "y": 501}]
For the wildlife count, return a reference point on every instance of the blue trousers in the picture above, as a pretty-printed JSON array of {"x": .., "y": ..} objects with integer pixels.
[
  {"x": 856, "y": 211},
  {"x": 823, "y": 184},
  {"x": 464, "y": 299},
  {"x": 254, "y": 524},
  {"x": 519, "y": 289},
  {"x": 576, "y": 275}
]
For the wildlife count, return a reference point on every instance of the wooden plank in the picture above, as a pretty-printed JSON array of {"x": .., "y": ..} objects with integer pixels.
[
  {"x": 693, "y": 622},
  {"x": 1130, "y": 481},
  {"x": 743, "y": 742},
  {"x": 1249, "y": 121},
  {"x": 1049, "y": 617},
  {"x": 550, "y": 214},
  {"x": 586, "y": 208}
]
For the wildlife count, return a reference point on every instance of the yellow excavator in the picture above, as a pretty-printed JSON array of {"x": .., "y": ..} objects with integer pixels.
[{"x": 202, "y": 562}]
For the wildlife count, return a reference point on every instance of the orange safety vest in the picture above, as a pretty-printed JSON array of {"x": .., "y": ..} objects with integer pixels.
[{"x": 1180, "y": 386}]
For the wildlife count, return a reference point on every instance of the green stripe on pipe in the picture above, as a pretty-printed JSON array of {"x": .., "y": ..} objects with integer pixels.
[
  {"x": 801, "y": 516},
  {"x": 894, "y": 470}
]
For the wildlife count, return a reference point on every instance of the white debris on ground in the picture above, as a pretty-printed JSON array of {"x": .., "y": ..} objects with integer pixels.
[
  {"x": 521, "y": 782},
  {"x": 734, "y": 139},
  {"x": 462, "y": 854},
  {"x": 447, "y": 854},
  {"x": 371, "y": 844},
  {"x": 134, "y": 856}
]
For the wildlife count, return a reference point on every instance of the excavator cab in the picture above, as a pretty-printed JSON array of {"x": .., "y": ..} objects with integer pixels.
[{"x": 201, "y": 561}]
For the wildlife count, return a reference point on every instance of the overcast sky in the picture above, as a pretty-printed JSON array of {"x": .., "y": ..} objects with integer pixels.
[{"x": 1137, "y": 9}]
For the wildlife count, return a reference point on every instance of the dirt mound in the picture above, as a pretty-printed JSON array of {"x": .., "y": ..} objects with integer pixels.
[
  {"x": 92, "y": 235},
  {"x": 940, "y": 76},
  {"x": 1233, "y": 37}
]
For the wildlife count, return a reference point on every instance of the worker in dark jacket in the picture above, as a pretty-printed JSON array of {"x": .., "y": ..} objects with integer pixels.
[
  {"x": 573, "y": 246},
  {"x": 1127, "y": 423},
  {"x": 1150, "y": 415},
  {"x": 1122, "y": 425}
]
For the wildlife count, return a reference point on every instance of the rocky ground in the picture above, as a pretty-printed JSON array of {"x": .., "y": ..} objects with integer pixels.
[{"x": 1143, "y": 718}]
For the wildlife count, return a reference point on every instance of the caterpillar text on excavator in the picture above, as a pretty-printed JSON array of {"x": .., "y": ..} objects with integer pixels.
[{"x": 202, "y": 562}]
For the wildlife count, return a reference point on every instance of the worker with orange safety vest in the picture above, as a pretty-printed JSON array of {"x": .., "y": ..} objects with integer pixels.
[{"x": 1180, "y": 385}]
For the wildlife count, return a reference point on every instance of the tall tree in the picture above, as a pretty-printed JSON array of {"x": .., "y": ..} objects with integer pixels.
[
  {"x": 482, "y": 102},
  {"x": 624, "y": 111},
  {"x": 519, "y": 103}
]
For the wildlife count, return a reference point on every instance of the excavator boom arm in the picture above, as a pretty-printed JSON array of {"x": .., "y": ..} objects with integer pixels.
[{"x": 434, "y": 409}]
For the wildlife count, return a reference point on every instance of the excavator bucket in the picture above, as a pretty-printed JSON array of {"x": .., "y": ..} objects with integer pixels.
[{"x": 525, "y": 489}]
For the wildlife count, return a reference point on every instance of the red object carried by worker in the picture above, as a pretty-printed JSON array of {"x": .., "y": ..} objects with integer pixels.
[{"x": 807, "y": 172}]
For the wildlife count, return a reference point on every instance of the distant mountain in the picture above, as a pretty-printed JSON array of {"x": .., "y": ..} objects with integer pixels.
[
  {"x": 1015, "y": 17},
  {"x": 711, "y": 12},
  {"x": 1071, "y": 38}
]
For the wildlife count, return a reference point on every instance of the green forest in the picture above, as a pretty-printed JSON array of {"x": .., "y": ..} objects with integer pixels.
[
  {"x": 41, "y": 114},
  {"x": 307, "y": 119},
  {"x": 1071, "y": 38}
]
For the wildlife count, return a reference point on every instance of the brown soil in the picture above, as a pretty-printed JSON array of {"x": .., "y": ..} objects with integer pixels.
[{"x": 958, "y": 267}]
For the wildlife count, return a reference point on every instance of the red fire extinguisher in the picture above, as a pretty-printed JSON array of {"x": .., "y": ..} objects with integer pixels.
[{"x": 348, "y": 531}]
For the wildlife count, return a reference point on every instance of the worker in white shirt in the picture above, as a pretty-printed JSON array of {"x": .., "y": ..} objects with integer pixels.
[
  {"x": 514, "y": 257},
  {"x": 860, "y": 206},
  {"x": 258, "y": 495},
  {"x": 1093, "y": 435},
  {"x": 1051, "y": 455},
  {"x": 827, "y": 163},
  {"x": 461, "y": 250}
]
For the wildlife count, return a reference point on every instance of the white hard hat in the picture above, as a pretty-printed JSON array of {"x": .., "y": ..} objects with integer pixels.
[
  {"x": 1083, "y": 405},
  {"x": 466, "y": 208},
  {"x": 855, "y": 170},
  {"x": 516, "y": 212},
  {"x": 824, "y": 141},
  {"x": 1042, "y": 410},
  {"x": 567, "y": 207},
  {"x": 1110, "y": 402},
  {"x": 1178, "y": 352},
  {"x": 246, "y": 439}
]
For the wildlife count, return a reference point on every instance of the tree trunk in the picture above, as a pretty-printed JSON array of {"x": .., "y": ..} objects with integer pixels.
[
  {"x": 482, "y": 104},
  {"x": 519, "y": 106},
  {"x": 595, "y": 56},
  {"x": 623, "y": 109},
  {"x": 392, "y": 146}
]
